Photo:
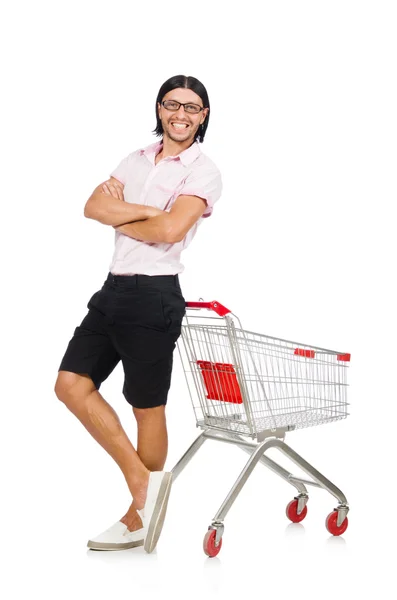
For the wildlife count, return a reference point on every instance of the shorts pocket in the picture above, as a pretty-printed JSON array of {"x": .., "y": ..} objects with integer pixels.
[
  {"x": 174, "y": 309},
  {"x": 141, "y": 307},
  {"x": 93, "y": 301}
]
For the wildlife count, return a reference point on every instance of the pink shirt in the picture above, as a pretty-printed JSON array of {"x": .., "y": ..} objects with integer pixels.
[{"x": 191, "y": 173}]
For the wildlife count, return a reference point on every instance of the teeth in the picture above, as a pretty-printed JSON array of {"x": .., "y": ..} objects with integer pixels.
[{"x": 179, "y": 126}]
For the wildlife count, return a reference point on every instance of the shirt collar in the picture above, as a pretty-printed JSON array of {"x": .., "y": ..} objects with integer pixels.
[{"x": 186, "y": 157}]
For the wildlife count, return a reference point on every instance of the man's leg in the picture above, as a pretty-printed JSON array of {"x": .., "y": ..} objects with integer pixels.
[
  {"x": 152, "y": 449},
  {"x": 79, "y": 394},
  {"x": 144, "y": 336},
  {"x": 152, "y": 437}
]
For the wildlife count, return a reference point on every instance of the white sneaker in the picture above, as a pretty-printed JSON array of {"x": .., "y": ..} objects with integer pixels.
[
  {"x": 155, "y": 507},
  {"x": 118, "y": 537}
]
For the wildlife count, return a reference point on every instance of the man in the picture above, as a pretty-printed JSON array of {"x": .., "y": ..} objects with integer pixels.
[{"x": 155, "y": 200}]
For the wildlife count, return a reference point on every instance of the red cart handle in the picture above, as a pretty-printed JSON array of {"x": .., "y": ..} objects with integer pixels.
[{"x": 214, "y": 305}]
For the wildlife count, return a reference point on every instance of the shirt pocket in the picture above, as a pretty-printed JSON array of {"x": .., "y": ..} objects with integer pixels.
[{"x": 163, "y": 195}]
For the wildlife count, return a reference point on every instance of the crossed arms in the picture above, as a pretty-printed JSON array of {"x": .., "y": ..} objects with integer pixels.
[{"x": 145, "y": 223}]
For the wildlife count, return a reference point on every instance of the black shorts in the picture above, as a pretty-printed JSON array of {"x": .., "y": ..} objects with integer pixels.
[{"x": 136, "y": 319}]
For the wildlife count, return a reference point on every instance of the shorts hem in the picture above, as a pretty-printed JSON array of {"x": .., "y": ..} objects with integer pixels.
[
  {"x": 78, "y": 371},
  {"x": 146, "y": 404}
]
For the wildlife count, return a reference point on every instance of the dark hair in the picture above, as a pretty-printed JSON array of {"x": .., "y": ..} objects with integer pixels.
[{"x": 191, "y": 83}]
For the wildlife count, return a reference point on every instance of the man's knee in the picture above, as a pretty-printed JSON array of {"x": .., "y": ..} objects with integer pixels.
[
  {"x": 70, "y": 386},
  {"x": 147, "y": 415}
]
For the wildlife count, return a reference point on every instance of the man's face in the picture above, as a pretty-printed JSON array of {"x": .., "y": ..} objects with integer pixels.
[{"x": 180, "y": 125}]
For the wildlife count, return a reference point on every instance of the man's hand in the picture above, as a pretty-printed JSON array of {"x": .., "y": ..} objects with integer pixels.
[
  {"x": 113, "y": 188},
  {"x": 108, "y": 206}
]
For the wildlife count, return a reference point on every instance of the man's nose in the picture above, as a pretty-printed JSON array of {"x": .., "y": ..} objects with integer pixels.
[{"x": 180, "y": 113}]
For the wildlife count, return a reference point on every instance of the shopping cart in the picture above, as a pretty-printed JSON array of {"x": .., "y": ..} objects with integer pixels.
[{"x": 245, "y": 384}]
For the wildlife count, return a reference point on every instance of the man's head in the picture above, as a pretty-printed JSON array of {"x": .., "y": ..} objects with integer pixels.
[{"x": 182, "y": 123}]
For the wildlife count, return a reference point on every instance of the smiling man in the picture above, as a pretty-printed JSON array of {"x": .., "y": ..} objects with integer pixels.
[{"x": 155, "y": 200}]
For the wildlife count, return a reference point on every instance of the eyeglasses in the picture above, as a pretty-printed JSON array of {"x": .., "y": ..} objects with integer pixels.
[{"x": 188, "y": 107}]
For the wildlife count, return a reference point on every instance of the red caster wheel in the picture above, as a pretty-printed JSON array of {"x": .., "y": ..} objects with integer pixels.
[
  {"x": 332, "y": 526},
  {"x": 292, "y": 512},
  {"x": 209, "y": 544}
]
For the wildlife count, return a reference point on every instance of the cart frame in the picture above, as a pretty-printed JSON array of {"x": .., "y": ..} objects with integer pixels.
[{"x": 272, "y": 437}]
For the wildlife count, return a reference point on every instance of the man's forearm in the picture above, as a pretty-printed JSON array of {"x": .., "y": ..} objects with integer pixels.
[
  {"x": 155, "y": 229},
  {"x": 112, "y": 211}
]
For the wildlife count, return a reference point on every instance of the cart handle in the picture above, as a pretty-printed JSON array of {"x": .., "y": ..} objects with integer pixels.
[{"x": 214, "y": 305}]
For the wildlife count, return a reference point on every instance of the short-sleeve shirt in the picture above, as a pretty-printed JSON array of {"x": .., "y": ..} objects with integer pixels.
[{"x": 189, "y": 173}]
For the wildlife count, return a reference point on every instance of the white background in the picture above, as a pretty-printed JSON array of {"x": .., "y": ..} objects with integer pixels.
[{"x": 300, "y": 246}]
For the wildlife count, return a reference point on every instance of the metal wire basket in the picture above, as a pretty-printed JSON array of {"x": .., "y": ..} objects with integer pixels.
[{"x": 250, "y": 383}]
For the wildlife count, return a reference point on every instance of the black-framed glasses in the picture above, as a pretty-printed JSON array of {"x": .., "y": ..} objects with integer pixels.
[{"x": 187, "y": 106}]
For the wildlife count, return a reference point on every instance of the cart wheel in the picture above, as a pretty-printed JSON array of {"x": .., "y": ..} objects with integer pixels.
[
  {"x": 292, "y": 512},
  {"x": 209, "y": 544},
  {"x": 331, "y": 524}
]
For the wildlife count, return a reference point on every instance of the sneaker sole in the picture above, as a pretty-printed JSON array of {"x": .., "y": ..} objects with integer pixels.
[
  {"x": 158, "y": 516},
  {"x": 109, "y": 546}
]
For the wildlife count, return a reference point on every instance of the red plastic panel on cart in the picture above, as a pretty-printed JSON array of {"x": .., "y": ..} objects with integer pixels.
[
  {"x": 221, "y": 381},
  {"x": 344, "y": 357},
  {"x": 306, "y": 353}
]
